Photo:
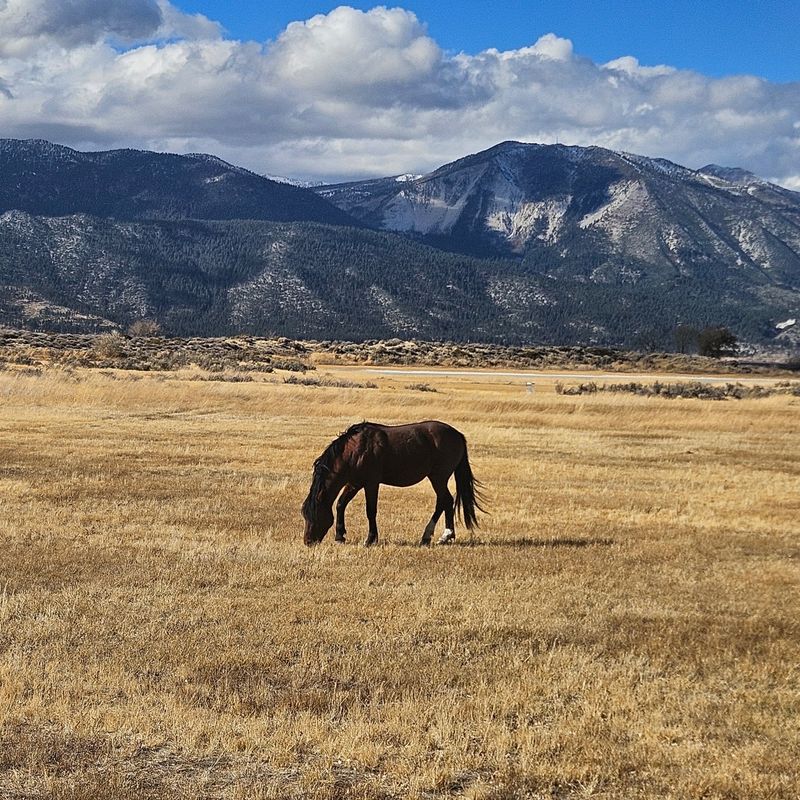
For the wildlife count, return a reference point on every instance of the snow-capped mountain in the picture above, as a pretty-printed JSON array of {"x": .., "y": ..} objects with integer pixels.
[
  {"x": 589, "y": 211},
  {"x": 564, "y": 245}
]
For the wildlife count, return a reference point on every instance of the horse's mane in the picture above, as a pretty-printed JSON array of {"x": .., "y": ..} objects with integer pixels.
[{"x": 323, "y": 465}]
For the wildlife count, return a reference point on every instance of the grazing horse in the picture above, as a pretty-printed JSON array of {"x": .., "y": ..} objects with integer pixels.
[{"x": 367, "y": 455}]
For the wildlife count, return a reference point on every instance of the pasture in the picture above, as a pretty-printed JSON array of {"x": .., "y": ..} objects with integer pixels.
[{"x": 625, "y": 623}]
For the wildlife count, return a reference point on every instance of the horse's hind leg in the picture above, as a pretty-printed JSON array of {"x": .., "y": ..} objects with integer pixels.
[
  {"x": 348, "y": 493},
  {"x": 444, "y": 504},
  {"x": 449, "y": 534},
  {"x": 427, "y": 534},
  {"x": 371, "y": 492}
]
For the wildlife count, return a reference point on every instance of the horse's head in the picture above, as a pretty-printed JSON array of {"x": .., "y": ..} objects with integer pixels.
[
  {"x": 318, "y": 526},
  {"x": 326, "y": 482},
  {"x": 317, "y": 511}
]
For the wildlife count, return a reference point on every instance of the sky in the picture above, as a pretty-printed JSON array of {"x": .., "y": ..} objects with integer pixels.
[
  {"x": 327, "y": 92},
  {"x": 715, "y": 37}
]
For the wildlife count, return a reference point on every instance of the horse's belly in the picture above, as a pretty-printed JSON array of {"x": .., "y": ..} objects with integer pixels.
[{"x": 403, "y": 477}]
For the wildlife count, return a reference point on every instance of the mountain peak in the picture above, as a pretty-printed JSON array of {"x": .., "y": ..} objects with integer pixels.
[
  {"x": 735, "y": 175},
  {"x": 591, "y": 212},
  {"x": 46, "y": 179}
]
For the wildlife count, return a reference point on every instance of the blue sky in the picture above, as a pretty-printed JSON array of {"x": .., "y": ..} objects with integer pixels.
[
  {"x": 714, "y": 37},
  {"x": 324, "y": 92}
]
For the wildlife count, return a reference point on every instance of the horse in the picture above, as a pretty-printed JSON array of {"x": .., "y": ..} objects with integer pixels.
[{"x": 368, "y": 454}]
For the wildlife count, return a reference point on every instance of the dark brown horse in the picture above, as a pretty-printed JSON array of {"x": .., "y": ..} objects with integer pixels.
[{"x": 367, "y": 455}]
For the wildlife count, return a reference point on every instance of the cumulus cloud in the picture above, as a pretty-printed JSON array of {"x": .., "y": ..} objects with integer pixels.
[
  {"x": 348, "y": 48},
  {"x": 177, "y": 24},
  {"x": 26, "y": 25},
  {"x": 354, "y": 93},
  {"x": 30, "y": 25}
]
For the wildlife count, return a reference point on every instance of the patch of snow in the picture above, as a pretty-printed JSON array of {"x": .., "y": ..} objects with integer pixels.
[
  {"x": 752, "y": 241},
  {"x": 391, "y": 313},
  {"x": 285, "y": 290},
  {"x": 612, "y": 273},
  {"x": 628, "y": 199},
  {"x": 717, "y": 182},
  {"x": 277, "y": 284},
  {"x": 431, "y": 206},
  {"x": 516, "y": 293},
  {"x": 673, "y": 240},
  {"x": 517, "y": 221},
  {"x": 294, "y": 181},
  {"x": 786, "y": 324},
  {"x": 431, "y": 214},
  {"x": 661, "y": 165}
]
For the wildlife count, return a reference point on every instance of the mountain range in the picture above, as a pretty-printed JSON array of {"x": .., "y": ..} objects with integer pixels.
[
  {"x": 592, "y": 213},
  {"x": 521, "y": 242}
]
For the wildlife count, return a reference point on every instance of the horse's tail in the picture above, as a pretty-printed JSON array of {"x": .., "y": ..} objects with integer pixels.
[{"x": 468, "y": 492}]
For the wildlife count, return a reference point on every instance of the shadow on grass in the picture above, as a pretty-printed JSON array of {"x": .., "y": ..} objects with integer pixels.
[
  {"x": 515, "y": 543},
  {"x": 530, "y": 542}
]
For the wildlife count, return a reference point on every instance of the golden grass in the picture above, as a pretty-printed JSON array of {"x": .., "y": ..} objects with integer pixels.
[{"x": 624, "y": 625}]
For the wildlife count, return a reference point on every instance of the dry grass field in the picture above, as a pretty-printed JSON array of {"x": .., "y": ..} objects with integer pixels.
[{"x": 625, "y": 624}]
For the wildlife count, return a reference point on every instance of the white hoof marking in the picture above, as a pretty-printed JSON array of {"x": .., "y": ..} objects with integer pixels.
[{"x": 447, "y": 537}]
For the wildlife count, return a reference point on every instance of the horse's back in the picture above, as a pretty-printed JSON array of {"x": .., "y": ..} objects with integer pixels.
[
  {"x": 432, "y": 427},
  {"x": 406, "y": 454}
]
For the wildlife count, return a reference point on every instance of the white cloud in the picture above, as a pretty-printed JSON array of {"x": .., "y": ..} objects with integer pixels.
[
  {"x": 632, "y": 68},
  {"x": 26, "y": 25},
  {"x": 553, "y": 47},
  {"x": 348, "y": 48},
  {"x": 356, "y": 93},
  {"x": 791, "y": 182},
  {"x": 176, "y": 24}
]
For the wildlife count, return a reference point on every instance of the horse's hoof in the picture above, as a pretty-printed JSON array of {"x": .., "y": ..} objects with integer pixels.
[
  {"x": 447, "y": 537},
  {"x": 339, "y": 540}
]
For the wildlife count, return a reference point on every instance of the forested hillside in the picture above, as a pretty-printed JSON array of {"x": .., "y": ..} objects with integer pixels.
[{"x": 96, "y": 241}]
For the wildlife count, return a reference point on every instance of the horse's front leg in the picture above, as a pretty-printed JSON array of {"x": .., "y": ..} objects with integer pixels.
[
  {"x": 348, "y": 493},
  {"x": 371, "y": 492}
]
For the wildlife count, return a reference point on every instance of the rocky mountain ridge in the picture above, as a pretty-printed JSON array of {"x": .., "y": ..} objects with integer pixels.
[
  {"x": 44, "y": 179},
  {"x": 520, "y": 243},
  {"x": 592, "y": 213}
]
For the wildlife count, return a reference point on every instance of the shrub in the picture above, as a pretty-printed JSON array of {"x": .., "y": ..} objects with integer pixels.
[
  {"x": 109, "y": 345},
  {"x": 581, "y": 388},
  {"x": 422, "y": 387},
  {"x": 716, "y": 342},
  {"x": 695, "y": 389},
  {"x": 226, "y": 377},
  {"x": 333, "y": 382},
  {"x": 144, "y": 327},
  {"x": 291, "y": 365}
]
